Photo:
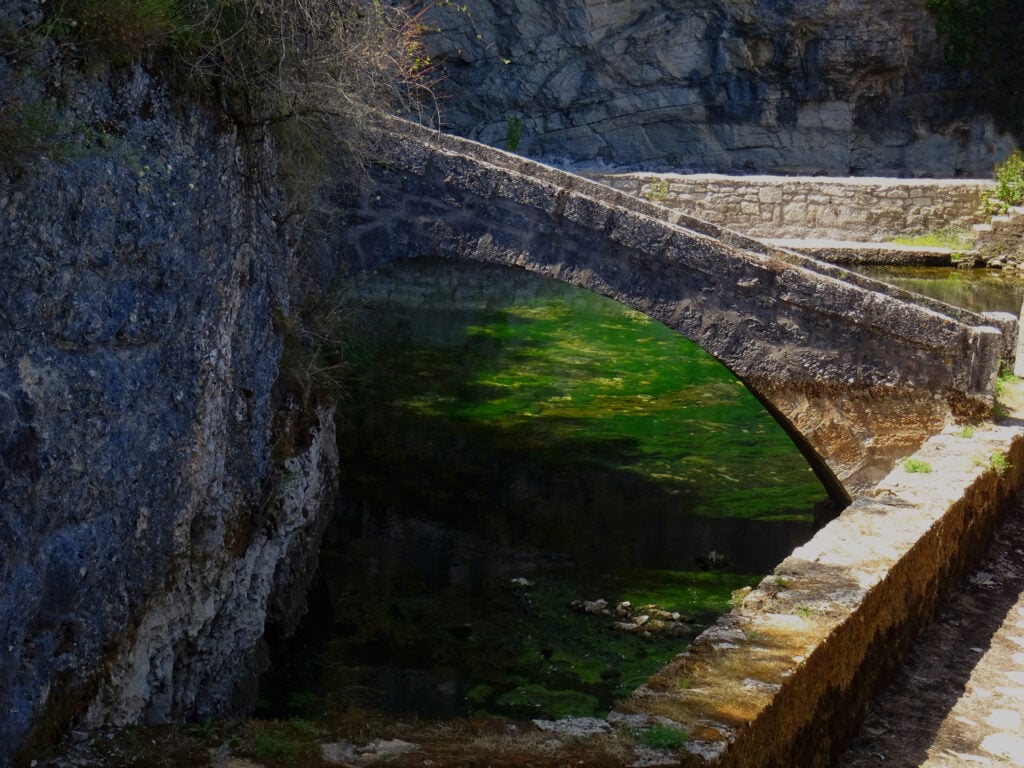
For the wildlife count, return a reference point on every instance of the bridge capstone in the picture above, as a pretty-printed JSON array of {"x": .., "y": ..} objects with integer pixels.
[{"x": 857, "y": 372}]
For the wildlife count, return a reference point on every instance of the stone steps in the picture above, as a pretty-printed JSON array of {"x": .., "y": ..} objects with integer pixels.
[{"x": 1000, "y": 241}]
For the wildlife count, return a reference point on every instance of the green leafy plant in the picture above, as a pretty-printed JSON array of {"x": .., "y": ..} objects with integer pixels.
[
  {"x": 999, "y": 463},
  {"x": 916, "y": 466},
  {"x": 513, "y": 133},
  {"x": 657, "y": 189},
  {"x": 956, "y": 21},
  {"x": 1009, "y": 176},
  {"x": 204, "y": 729},
  {"x": 663, "y": 737},
  {"x": 967, "y": 432}
]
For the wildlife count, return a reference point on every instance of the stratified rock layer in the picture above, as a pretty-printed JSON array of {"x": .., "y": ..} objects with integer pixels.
[{"x": 774, "y": 86}]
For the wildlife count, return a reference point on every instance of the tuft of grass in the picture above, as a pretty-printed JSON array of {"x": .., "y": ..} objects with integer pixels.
[
  {"x": 966, "y": 432},
  {"x": 657, "y": 189},
  {"x": 513, "y": 133},
  {"x": 279, "y": 743},
  {"x": 952, "y": 238},
  {"x": 1006, "y": 379},
  {"x": 805, "y": 611},
  {"x": 204, "y": 729},
  {"x": 664, "y": 737},
  {"x": 916, "y": 466},
  {"x": 1010, "y": 180}
]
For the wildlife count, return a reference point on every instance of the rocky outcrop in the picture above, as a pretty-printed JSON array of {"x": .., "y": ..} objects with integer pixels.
[
  {"x": 142, "y": 531},
  {"x": 728, "y": 86}
]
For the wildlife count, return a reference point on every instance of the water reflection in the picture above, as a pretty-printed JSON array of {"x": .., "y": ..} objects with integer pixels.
[{"x": 979, "y": 290}]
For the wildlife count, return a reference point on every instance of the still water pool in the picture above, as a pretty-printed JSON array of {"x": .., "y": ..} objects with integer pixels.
[
  {"x": 522, "y": 459},
  {"x": 979, "y": 290}
]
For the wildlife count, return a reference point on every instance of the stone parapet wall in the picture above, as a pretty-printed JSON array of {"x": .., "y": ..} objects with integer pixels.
[{"x": 860, "y": 209}]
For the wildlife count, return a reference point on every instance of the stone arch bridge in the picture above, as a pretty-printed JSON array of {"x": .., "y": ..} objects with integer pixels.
[{"x": 858, "y": 373}]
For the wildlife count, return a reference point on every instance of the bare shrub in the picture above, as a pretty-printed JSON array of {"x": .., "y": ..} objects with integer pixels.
[{"x": 326, "y": 68}]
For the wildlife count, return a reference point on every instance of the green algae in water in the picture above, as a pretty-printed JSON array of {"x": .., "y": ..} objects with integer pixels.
[{"x": 515, "y": 445}]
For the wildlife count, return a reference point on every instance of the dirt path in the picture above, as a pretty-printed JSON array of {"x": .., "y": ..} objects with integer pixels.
[{"x": 959, "y": 698}]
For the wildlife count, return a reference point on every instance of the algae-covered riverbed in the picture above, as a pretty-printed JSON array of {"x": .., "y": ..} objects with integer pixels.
[{"x": 511, "y": 446}]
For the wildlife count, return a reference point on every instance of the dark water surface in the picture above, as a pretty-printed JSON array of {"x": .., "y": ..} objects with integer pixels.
[{"x": 511, "y": 445}]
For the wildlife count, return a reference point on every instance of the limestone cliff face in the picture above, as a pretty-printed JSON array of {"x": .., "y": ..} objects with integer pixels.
[
  {"x": 775, "y": 86},
  {"x": 143, "y": 536}
]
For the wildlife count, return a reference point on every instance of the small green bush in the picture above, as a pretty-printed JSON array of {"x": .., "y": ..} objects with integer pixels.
[
  {"x": 999, "y": 464},
  {"x": 1010, "y": 180},
  {"x": 658, "y": 189},
  {"x": 916, "y": 466},
  {"x": 513, "y": 133},
  {"x": 663, "y": 737}
]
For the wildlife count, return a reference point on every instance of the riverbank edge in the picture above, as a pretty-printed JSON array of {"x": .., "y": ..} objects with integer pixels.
[{"x": 785, "y": 677}]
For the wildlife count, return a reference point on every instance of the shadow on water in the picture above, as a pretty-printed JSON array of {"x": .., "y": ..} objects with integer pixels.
[{"x": 512, "y": 446}]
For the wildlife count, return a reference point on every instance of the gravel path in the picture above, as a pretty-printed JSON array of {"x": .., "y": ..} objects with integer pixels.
[{"x": 959, "y": 698}]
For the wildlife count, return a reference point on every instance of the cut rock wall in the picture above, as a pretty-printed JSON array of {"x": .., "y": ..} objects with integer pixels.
[
  {"x": 141, "y": 526},
  {"x": 729, "y": 86}
]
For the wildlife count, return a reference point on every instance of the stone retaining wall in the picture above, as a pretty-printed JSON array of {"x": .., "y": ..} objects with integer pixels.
[
  {"x": 860, "y": 209},
  {"x": 785, "y": 677}
]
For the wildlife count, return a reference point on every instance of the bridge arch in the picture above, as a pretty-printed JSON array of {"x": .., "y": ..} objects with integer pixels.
[{"x": 857, "y": 373}]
